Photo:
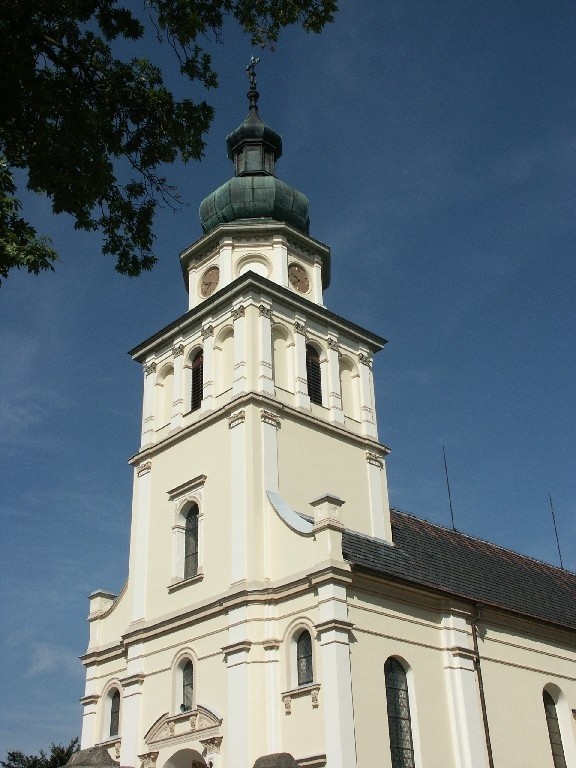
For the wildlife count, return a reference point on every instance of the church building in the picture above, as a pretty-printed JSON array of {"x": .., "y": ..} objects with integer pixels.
[{"x": 277, "y": 611}]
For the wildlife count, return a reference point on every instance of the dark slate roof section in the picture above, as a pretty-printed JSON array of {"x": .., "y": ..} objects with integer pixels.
[{"x": 459, "y": 565}]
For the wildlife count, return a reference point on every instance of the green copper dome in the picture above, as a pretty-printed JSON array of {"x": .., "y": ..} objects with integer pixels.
[{"x": 254, "y": 192}]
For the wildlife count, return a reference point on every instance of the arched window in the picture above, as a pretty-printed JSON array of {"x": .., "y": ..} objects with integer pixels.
[
  {"x": 191, "y": 543},
  {"x": 313, "y": 374},
  {"x": 197, "y": 380},
  {"x": 399, "y": 723},
  {"x": 187, "y": 686},
  {"x": 114, "y": 712},
  {"x": 554, "y": 731},
  {"x": 304, "y": 658}
]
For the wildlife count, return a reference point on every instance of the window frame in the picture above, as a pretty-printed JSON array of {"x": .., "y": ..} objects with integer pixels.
[{"x": 185, "y": 498}]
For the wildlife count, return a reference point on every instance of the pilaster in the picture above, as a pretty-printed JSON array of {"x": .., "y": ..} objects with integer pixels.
[
  {"x": 280, "y": 251},
  {"x": 148, "y": 404},
  {"x": 131, "y": 710},
  {"x": 334, "y": 385},
  {"x": 378, "y": 495},
  {"x": 178, "y": 396},
  {"x": 301, "y": 398},
  {"x": 89, "y": 717},
  {"x": 265, "y": 371},
  {"x": 240, "y": 363},
  {"x": 463, "y": 698},
  {"x": 208, "y": 365},
  {"x": 367, "y": 412},
  {"x": 236, "y": 655},
  {"x": 238, "y": 489},
  {"x": 139, "y": 540},
  {"x": 334, "y": 633}
]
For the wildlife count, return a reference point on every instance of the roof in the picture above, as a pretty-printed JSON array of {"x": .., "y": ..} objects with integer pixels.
[{"x": 459, "y": 565}]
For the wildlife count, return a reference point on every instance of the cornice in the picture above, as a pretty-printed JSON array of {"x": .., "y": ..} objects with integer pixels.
[
  {"x": 260, "y": 285},
  {"x": 256, "y": 230},
  {"x": 247, "y": 594},
  {"x": 369, "y": 444}
]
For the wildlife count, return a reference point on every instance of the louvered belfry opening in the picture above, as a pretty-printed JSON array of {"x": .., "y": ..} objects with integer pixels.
[
  {"x": 554, "y": 731},
  {"x": 313, "y": 374},
  {"x": 197, "y": 380}
]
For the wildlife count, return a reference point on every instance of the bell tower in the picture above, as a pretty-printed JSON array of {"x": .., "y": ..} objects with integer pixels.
[{"x": 259, "y": 446}]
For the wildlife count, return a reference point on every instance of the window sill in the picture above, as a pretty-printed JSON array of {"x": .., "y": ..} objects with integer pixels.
[
  {"x": 182, "y": 583},
  {"x": 310, "y": 689}
]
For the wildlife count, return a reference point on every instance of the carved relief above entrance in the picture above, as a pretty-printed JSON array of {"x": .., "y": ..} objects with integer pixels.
[{"x": 199, "y": 724}]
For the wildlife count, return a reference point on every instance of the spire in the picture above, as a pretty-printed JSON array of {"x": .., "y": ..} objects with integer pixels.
[
  {"x": 254, "y": 192},
  {"x": 253, "y": 146}
]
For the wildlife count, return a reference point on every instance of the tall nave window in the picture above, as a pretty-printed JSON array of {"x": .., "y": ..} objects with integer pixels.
[
  {"x": 399, "y": 721},
  {"x": 554, "y": 731}
]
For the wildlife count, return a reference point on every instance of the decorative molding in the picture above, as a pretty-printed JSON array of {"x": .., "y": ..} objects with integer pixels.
[
  {"x": 238, "y": 312},
  {"x": 178, "y": 350},
  {"x": 312, "y": 690},
  {"x": 242, "y": 646},
  {"x": 148, "y": 760},
  {"x": 340, "y": 625},
  {"x": 149, "y": 368},
  {"x": 459, "y": 651},
  {"x": 179, "y": 727},
  {"x": 365, "y": 359},
  {"x": 117, "y": 746},
  {"x": 188, "y": 487},
  {"x": 299, "y": 327},
  {"x": 374, "y": 459},
  {"x": 144, "y": 468},
  {"x": 92, "y": 698},
  {"x": 272, "y": 644},
  {"x": 135, "y": 679},
  {"x": 239, "y": 417},
  {"x": 207, "y": 331},
  {"x": 333, "y": 343},
  {"x": 211, "y": 745},
  {"x": 270, "y": 418},
  {"x": 265, "y": 311},
  {"x": 312, "y": 761}
]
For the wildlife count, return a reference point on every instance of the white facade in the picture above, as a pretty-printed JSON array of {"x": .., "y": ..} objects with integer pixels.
[{"x": 272, "y": 477}]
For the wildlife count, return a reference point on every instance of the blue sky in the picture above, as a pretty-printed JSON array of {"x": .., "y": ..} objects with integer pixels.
[{"x": 436, "y": 143}]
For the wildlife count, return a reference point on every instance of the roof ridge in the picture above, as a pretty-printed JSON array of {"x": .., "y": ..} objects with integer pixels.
[{"x": 483, "y": 541}]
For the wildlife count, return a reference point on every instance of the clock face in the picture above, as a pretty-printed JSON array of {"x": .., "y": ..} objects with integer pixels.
[
  {"x": 209, "y": 281},
  {"x": 298, "y": 278}
]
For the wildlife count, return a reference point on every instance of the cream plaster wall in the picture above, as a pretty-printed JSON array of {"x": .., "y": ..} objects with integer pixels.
[{"x": 314, "y": 462}]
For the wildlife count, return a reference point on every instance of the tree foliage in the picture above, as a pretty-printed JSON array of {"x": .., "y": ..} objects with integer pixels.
[
  {"x": 93, "y": 130},
  {"x": 58, "y": 756}
]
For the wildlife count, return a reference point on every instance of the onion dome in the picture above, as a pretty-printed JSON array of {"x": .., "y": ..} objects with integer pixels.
[{"x": 254, "y": 192}]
